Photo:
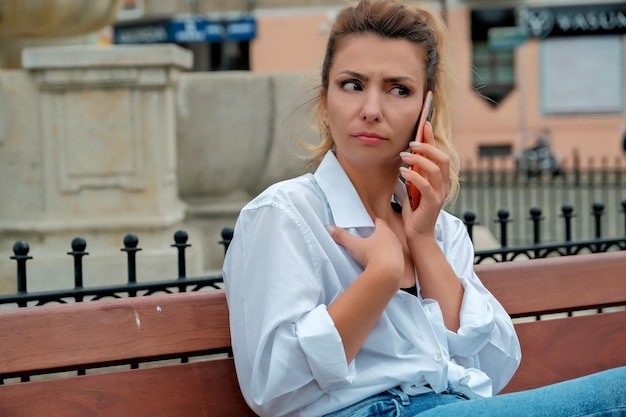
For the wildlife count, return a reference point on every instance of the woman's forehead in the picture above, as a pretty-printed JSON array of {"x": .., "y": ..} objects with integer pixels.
[{"x": 369, "y": 52}]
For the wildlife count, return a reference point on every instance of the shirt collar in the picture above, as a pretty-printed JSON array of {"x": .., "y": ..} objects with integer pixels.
[{"x": 344, "y": 201}]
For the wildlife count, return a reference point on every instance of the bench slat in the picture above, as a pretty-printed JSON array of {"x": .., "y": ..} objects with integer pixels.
[
  {"x": 540, "y": 286},
  {"x": 199, "y": 389},
  {"x": 561, "y": 349},
  {"x": 107, "y": 331}
]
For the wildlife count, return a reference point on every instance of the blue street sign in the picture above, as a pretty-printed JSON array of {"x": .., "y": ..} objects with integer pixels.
[{"x": 186, "y": 29}]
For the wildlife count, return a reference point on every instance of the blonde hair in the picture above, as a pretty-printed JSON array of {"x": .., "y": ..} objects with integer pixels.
[{"x": 391, "y": 19}]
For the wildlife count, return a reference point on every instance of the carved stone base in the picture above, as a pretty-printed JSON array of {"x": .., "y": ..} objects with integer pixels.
[{"x": 99, "y": 163}]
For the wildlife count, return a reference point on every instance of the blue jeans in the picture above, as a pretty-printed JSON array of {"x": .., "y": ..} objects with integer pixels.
[
  {"x": 598, "y": 395},
  {"x": 395, "y": 403}
]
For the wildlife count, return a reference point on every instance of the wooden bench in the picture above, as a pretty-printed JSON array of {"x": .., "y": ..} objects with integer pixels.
[
  {"x": 99, "y": 333},
  {"x": 557, "y": 349},
  {"x": 110, "y": 332}
]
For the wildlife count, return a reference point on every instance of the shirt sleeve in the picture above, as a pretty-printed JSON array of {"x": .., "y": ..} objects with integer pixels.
[
  {"x": 486, "y": 338},
  {"x": 287, "y": 350}
]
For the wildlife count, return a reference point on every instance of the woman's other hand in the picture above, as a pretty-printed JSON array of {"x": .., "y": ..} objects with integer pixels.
[
  {"x": 356, "y": 310},
  {"x": 381, "y": 251}
]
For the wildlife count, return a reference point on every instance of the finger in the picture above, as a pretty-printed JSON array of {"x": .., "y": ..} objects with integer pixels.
[
  {"x": 414, "y": 178},
  {"x": 432, "y": 153},
  {"x": 339, "y": 235},
  {"x": 429, "y": 150},
  {"x": 429, "y": 145},
  {"x": 429, "y": 135},
  {"x": 426, "y": 177},
  {"x": 421, "y": 164}
]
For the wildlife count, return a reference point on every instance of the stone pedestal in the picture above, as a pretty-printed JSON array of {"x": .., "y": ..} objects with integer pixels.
[
  {"x": 105, "y": 164},
  {"x": 226, "y": 156},
  {"x": 26, "y": 23}
]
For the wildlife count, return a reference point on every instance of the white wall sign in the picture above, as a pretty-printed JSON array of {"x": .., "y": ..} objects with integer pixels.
[{"x": 582, "y": 74}]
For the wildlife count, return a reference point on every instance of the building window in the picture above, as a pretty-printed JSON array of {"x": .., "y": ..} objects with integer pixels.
[
  {"x": 494, "y": 76},
  {"x": 220, "y": 56},
  {"x": 493, "y": 69},
  {"x": 231, "y": 56}
]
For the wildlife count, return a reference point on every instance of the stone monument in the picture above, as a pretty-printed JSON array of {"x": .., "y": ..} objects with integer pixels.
[{"x": 88, "y": 149}]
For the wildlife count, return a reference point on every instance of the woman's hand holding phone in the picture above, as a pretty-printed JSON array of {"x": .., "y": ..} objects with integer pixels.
[{"x": 425, "y": 116}]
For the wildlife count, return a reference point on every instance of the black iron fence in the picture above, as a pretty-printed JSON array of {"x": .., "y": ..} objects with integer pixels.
[
  {"x": 494, "y": 183},
  {"x": 537, "y": 248},
  {"x": 131, "y": 288},
  {"x": 534, "y": 248}
]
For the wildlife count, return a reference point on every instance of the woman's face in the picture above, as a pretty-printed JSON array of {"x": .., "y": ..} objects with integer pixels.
[{"x": 375, "y": 94}]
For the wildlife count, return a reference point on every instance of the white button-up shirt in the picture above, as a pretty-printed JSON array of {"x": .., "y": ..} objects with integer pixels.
[{"x": 283, "y": 269}]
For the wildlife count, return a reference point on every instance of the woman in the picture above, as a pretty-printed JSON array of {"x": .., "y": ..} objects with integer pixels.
[{"x": 343, "y": 300}]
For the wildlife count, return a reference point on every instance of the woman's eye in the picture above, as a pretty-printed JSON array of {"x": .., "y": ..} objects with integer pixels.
[
  {"x": 400, "y": 90},
  {"x": 350, "y": 85}
]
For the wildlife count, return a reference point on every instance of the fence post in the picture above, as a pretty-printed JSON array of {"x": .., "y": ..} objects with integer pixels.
[
  {"x": 21, "y": 249},
  {"x": 470, "y": 220},
  {"x": 535, "y": 217},
  {"x": 568, "y": 214},
  {"x": 576, "y": 163},
  {"x": 180, "y": 238},
  {"x": 130, "y": 247},
  {"x": 227, "y": 236},
  {"x": 598, "y": 212},
  {"x": 503, "y": 219},
  {"x": 624, "y": 211},
  {"x": 78, "y": 251}
]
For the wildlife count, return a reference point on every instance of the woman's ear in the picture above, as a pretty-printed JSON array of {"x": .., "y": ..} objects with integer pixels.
[{"x": 324, "y": 109}]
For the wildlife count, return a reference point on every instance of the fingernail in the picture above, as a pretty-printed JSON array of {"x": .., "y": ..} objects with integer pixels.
[
  {"x": 405, "y": 154},
  {"x": 415, "y": 144},
  {"x": 403, "y": 169},
  {"x": 331, "y": 229}
]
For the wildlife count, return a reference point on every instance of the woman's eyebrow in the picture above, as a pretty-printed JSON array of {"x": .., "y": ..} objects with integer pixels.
[
  {"x": 354, "y": 74},
  {"x": 360, "y": 76},
  {"x": 399, "y": 79}
]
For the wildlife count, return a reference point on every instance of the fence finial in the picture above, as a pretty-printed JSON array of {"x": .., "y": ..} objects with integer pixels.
[
  {"x": 469, "y": 218},
  {"x": 181, "y": 237},
  {"x": 227, "y": 236},
  {"x": 130, "y": 247},
  {"x": 20, "y": 250},
  {"x": 536, "y": 218},
  {"x": 568, "y": 214},
  {"x": 503, "y": 219},
  {"x": 598, "y": 212},
  {"x": 78, "y": 251}
]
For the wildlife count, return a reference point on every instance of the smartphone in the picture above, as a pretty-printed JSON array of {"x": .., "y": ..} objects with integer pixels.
[{"x": 425, "y": 116}]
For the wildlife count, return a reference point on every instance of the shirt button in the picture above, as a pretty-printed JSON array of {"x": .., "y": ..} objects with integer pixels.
[{"x": 438, "y": 357}]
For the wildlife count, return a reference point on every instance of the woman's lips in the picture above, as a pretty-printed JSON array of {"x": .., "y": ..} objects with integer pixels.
[{"x": 368, "y": 138}]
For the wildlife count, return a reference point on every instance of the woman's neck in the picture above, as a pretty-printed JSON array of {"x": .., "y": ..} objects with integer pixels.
[{"x": 375, "y": 186}]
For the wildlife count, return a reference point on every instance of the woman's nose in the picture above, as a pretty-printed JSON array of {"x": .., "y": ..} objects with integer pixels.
[{"x": 371, "y": 110}]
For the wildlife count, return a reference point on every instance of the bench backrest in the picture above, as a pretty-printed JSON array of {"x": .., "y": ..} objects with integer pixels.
[
  {"x": 82, "y": 335},
  {"x": 557, "y": 349},
  {"x": 75, "y": 336}
]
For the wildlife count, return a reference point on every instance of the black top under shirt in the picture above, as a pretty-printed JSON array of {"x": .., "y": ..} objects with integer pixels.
[{"x": 411, "y": 290}]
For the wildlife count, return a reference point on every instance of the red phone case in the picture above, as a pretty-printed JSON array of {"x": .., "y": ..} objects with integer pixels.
[{"x": 425, "y": 115}]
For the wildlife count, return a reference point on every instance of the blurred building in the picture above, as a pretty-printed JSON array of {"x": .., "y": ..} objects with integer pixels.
[
  {"x": 218, "y": 33},
  {"x": 521, "y": 66}
]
